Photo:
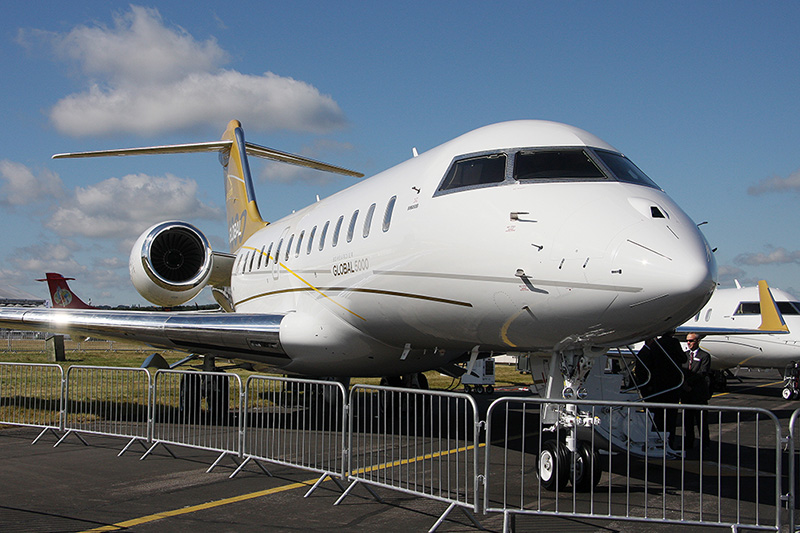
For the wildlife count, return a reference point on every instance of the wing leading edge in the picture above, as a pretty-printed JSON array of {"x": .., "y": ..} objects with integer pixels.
[{"x": 252, "y": 337}]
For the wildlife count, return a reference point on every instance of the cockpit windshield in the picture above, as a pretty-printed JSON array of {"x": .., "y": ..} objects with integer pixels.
[
  {"x": 555, "y": 164},
  {"x": 538, "y": 165},
  {"x": 624, "y": 169}
]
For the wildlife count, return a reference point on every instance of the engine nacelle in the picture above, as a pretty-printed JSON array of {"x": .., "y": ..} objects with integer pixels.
[{"x": 170, "y": 263}]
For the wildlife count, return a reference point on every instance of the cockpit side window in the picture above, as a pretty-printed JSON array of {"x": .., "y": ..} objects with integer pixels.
[
  {"x": 624, "y": 170},
  {"x": 555, "y": 165},
  {"x": 748, "y": 308},
  {"x": 754, "y": 308},
  {"x": 475, "y": 172}
]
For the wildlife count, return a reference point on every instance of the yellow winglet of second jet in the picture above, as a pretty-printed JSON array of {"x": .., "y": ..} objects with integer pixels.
[{"x": 771, "y": 317}]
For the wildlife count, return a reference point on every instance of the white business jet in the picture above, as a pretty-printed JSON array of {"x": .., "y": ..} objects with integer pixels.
[
  {"x": 739, "y": 308},
  {"x": 523, "y": 236}
]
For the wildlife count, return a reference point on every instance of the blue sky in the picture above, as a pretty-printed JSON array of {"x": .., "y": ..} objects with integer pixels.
[{"x": 703, "y": 96}]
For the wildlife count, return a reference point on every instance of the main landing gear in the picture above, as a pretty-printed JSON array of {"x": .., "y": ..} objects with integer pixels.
[{"x": 215, "y": 389}]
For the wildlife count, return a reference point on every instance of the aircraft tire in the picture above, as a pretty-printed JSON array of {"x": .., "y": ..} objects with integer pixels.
[
  {"x": 788, "y": 393},
  {"x": 587, "y": 468},
  {"x": 552, "y": 465},
  {"x": 216, "y": 393}
]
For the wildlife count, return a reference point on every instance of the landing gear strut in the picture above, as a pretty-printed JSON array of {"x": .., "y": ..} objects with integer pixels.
[
  {"x": 568, "y": 460},
  {"x": 214, "y": 388}
]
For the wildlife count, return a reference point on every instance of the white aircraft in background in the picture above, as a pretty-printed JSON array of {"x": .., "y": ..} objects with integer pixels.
[
  {"x": 739, "y": 308},
  {"x": 524, "y": 236}
]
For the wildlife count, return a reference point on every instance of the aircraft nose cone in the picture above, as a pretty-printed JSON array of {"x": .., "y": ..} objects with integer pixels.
[{"x": 676, "y": 270}]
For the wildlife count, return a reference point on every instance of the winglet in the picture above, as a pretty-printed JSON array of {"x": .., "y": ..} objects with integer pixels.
[{"x": 771, "y": 317}]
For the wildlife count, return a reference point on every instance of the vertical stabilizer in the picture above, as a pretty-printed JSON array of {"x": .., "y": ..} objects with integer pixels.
[
  {"x": 242, "y": 212},
  {"x": 60, "y": 293}
]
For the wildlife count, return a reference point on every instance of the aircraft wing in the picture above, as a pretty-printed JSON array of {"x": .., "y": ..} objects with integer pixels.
[
  {"x": 230, "y": 335},
  {"x": 772, "y": 321}
]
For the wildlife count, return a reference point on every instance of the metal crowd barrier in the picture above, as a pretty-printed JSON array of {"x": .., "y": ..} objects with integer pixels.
[
  {"x": 107, "y": 401},
  {"x": 198, "y": 410},
  {"x": 420, "y": 442},
  {"x": 32, "y": 395},
  {"x": 296, "y": 422},
  {"x": 730, "y": 480},
  {"x": 794, "y": 463}
]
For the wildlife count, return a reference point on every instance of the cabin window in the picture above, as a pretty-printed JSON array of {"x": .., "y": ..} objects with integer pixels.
[
  {"x": 387, "y": 216},
  {"x": 269, "y": 254},
  {"x": 278, "y": 251},
  {"x": 352, "y": 227},
  {"x": 336, "y": 231},
  {"x": 624, "y": 170},
  {"x": 299, "y": 243},
  {"x": 323, "y": 235},
  {"x": 260, "y": 257},
  {"x": 555, "y": 165},
  {"x": 311, "y": 240},
  {"x": 475, "y": 171},
  {"x": 240, "y": 264},
  {"x": 288, "y": 248},
  {"x": 368, "y": 220}
]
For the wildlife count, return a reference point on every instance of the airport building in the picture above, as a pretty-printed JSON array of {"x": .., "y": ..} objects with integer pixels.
[{"x": 13, "y": 297}]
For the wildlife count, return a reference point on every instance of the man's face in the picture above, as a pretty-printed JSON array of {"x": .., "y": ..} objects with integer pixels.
[{"x": 692, "y": 341}]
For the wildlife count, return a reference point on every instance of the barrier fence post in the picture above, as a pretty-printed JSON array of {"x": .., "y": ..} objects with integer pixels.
[
  {"x": 32, "y": 395},
  {"x": 624, "y": 461},
  {"x": 420, "y": 442},
  {"x": 194, "y": 409}
]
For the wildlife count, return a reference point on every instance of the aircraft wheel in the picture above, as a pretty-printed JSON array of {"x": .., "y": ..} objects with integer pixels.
[
  {"x": 587, "y": 468},
  {"x": 553, "y": 466},
  {"x": 787, "y": 393}
]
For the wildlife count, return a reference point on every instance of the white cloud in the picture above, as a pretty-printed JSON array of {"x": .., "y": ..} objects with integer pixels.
[
  {"x": 776, "y": 184},
  {"x": 122, "y": 208},
  {"x": 268, "y": 102},
  {"x": 779, "y": 256},
  {"x": 20, "y": 186},
  {"x": 146, "y": 77},
  {"x": 46, "y": 257},
  {"x": 139, "y": 48}
]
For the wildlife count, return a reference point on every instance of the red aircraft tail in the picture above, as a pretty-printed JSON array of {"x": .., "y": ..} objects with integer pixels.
[{"x": 60, "y": 293}]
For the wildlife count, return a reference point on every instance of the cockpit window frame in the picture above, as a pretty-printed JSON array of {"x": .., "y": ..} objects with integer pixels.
[
  {"x": 511, "y": 154},
  {"x": 466, "y": 157}
]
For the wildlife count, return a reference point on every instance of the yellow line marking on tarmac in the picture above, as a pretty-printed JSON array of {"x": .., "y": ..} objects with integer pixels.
[
  {"x": 756, "y": 387},
  {"x": 267, "y": 492},
  {"x": 202, "y": 506}
]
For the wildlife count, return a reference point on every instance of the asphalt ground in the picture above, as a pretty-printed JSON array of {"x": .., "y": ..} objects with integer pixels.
[{"x": 75, "y": 487}]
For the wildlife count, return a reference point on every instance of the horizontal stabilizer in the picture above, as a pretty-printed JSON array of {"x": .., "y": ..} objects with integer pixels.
[{"x": 216, "y": 146}]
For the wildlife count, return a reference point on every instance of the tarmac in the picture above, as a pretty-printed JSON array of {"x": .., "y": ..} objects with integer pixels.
[{"x": 75, "y": 487}]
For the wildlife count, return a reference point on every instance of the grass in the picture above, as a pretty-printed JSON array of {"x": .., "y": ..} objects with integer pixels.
[{"x": 133, "y": 355}]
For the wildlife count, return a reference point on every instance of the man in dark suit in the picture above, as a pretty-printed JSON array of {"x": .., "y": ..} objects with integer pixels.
[{"x": 697, "y": 388}]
